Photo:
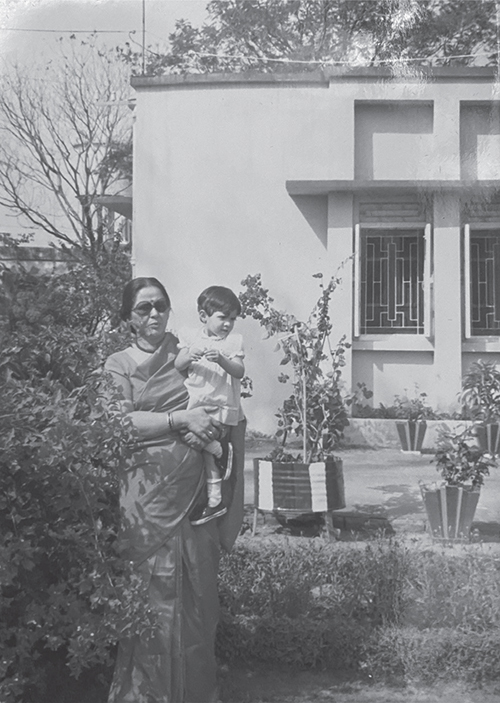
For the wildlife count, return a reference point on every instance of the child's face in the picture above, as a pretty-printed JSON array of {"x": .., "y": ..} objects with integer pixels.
[{"x": 218, "y": 324}]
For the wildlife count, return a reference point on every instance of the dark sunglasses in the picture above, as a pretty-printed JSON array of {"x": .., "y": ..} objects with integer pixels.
[{"x": 144, "y": 309}]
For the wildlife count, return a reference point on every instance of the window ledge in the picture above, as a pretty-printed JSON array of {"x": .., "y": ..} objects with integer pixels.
[
  {"x": 393, "y": 342},
  {"x": 481, "y": 344}
]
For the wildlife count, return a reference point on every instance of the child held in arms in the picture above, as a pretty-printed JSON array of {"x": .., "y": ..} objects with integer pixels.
[{"x": 213, "y": 358}]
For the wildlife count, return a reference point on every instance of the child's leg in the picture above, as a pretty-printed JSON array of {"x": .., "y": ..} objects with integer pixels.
[
  {"x": 214, "y": 447},
  {"x": 214, "y": 480}
]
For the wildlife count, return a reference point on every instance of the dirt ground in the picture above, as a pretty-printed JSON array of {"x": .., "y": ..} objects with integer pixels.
[{"x": 254, "y": 686}]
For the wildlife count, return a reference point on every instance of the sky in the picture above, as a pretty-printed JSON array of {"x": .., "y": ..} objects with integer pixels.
[{"x": 28, "y": 27}]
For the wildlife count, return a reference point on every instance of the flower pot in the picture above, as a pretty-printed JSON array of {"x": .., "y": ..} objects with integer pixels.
[
  {"x": 411, "y": 435},
  {"x": 450, "y": 510},
  {"x": 488, "y": 437},
  {"x": 297, "y": 488}
]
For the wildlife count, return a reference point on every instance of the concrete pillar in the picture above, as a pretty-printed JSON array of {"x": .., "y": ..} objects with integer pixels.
[
  {"x": 340, "y": 259},
  {"x": 446, "y": 135},
  {"x": 447, "y": 302}
]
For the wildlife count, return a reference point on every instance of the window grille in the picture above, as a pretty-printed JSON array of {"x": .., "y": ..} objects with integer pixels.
[
  {"x": 482, "y": 281},
  {"x": 392, "y": 274}
]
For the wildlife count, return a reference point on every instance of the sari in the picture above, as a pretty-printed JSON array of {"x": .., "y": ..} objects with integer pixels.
[{"x": 179, "y": 561}]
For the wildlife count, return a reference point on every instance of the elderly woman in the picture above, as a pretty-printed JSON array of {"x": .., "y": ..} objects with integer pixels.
[{"x": 157, "y": 494}]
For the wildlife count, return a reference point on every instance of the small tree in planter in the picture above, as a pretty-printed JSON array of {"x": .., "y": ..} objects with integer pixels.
[
  {"x": 311, "y": 481},
  {"x": 481, "y": 398},
  {"x": 411, "y": 415},
  {"x": 451, "y": 506}
]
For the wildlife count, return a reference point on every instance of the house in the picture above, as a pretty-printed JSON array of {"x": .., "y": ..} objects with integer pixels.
[{"x": 393, "y": 180}]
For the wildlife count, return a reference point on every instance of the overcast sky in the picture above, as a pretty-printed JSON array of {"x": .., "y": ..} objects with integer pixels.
[{"x": 21, "y": 21}]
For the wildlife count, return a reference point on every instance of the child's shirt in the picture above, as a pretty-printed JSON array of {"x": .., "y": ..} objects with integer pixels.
[{"x": 208, "y": 385}]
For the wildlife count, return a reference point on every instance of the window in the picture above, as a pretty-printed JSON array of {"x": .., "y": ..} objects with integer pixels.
[
  {"x": 392, "y": 279},
  {"x": 482, "y": 281}
]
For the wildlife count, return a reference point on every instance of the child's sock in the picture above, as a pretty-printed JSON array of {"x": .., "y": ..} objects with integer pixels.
[{"x": 214, "y": 491}]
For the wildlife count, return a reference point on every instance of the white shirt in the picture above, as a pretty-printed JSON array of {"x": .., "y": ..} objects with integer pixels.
[{"x": 208, "y": 384}]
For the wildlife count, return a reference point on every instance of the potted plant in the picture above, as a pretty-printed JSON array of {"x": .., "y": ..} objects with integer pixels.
[
  {"x": 451, "y": 505},
  {"x": 310, "y": 481},
  {"x": 481, "y": 398},
  {"x": 411, "y": 415}
]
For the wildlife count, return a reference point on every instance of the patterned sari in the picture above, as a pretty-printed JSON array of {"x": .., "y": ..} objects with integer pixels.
[{"x": 179, "y": 561}]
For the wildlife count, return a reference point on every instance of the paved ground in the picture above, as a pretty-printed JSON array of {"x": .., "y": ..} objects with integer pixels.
[{"x": 386, "y": 482}]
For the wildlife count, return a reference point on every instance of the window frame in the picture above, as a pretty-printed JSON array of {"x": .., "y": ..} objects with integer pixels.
[
  {"x": 427, "y": 283},
  {"x": 468, "y": 229}
]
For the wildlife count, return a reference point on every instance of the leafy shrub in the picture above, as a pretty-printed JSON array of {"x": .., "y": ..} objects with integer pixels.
[
  {"x": 413, "y": 655},
  {"x": 396, "y": 612},
  {"x": 66, "y": 595},
  {"x": 307, "y": 604}
]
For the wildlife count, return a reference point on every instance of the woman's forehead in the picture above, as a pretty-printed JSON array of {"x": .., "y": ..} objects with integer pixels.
[{"x": 149, "y": 294}]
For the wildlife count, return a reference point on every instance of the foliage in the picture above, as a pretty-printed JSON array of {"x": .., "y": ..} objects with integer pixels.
[
  {"x": 66, "y": 595},
  {"x": 83, "y": 295},
  {"x": 460, "y": 462},
  {"x": 410, "y": 655},
  {"x": 302, "y": 35},
  {"x": 481, "y": 391},
  {"x": 386, "y": 609},
  {"x": 66, "y": 138},
  {"x": 404, "y": 407},
  {"x": 315, "y": 411}
]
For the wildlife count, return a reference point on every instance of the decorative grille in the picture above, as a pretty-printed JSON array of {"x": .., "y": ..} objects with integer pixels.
[
  {"x": 392, "y": 277},
  {"x": 485, "y": 282}
]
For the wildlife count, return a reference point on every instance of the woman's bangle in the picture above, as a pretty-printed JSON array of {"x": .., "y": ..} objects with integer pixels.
[{"x": 170, "y": 422}]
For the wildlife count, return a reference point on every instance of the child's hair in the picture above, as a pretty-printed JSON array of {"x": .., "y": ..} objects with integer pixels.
[{"x": 218, "y": 299}]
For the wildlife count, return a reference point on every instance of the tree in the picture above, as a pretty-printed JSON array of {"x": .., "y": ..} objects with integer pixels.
[
  {"x": 303, "y": 35},
  {"x": 65, "y": 140}
]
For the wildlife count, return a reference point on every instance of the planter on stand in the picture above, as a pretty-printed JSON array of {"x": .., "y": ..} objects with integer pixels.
[
  {"x": 450, "y": 510},
  {"x": 488, "y": 437},
  {"x": 297, "y": 489},
  {"x": 411, "y": 435}
]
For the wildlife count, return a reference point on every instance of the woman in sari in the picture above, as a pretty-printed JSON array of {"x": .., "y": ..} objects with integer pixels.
[{"x": 157, "y": 494}]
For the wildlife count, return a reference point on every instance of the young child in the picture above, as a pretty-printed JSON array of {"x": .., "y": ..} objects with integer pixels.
[{"x": 213, "y": 358}]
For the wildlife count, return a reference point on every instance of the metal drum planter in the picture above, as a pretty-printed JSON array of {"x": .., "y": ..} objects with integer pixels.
[
  {"x": 411, "y": 435},
  {"x": 450, "y": 510},
  {"x": 297, "y": 488}
]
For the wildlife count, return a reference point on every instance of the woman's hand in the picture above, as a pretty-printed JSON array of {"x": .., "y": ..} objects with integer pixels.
[{"x": 197, "y": 422}]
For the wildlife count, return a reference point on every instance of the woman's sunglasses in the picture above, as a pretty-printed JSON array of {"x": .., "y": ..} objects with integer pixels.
[{"x": 144, "y": 309}]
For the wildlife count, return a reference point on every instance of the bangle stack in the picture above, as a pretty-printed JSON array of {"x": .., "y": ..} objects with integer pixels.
[{"x": 170, "y": 422}]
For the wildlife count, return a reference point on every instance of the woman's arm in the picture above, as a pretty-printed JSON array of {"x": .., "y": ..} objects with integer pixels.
[{"x": 197, "y": 421}]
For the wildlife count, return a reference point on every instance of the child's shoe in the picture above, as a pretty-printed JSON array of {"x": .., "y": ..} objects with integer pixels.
[
  {"x": 225, "y": 463},
  {"x": 208, "y": 514}
]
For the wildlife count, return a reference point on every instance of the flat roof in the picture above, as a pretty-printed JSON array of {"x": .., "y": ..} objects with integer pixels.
[
  {"x": 324, "y": 76},
  {"x": 316, "y": 187}
]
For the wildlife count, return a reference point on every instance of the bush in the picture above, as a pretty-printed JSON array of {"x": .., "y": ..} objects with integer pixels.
[
  {"x": 427, "y": 656},
  {"x": 308, "y": 604},
  {"x": 66, "y": 595},
  {"x": 383, "y": 608}
]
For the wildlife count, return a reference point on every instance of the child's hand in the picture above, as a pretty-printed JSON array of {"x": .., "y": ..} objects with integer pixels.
[
  {"x": 213, "y": 355},
  {"x": 196, "y": 354}
]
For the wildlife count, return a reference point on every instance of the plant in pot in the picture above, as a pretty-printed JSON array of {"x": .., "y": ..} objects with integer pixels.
[
  {"x": 451, "y": 505},
  {"x": 411, "y": 415},
  {"x": 481, "y": 399},
  {"x": 308, "y": 482}
]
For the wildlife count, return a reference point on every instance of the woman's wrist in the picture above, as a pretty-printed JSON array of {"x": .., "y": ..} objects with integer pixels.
[{"x": 176, "y": 421}]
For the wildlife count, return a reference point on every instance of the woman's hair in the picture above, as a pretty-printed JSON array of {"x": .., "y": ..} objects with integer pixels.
[
  {"x": 218, "y": 299},
  {"x": 133, "y": 287}
]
